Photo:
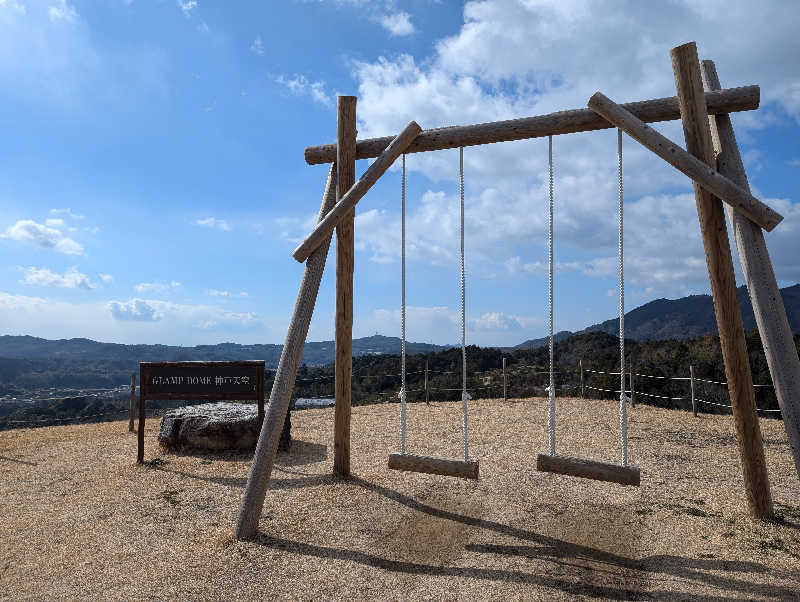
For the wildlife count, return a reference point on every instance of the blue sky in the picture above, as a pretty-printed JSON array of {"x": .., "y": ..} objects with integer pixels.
[{"x": 153, "y": 185}]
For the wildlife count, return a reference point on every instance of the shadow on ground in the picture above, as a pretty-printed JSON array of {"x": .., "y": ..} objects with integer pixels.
[{"x": 583, "y": 562}]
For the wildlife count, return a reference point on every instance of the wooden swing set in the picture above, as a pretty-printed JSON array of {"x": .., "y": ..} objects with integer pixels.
[{"x": 711, "y": 160}]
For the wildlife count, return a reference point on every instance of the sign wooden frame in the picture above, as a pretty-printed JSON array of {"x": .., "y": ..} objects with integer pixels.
[{"x": 236, "y": 380}]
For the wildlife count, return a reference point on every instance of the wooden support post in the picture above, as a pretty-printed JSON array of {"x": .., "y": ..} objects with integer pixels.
[
  {"x": 427, "y": 400},
  {"x": 770, "y": 314},
  {"x": 260, "y": 395},
  {"x": 140, "y": 433},
  {"x": 691, "y": 388},
  {"x": 133, "y": 402},
  {"x": 745, "y": 98},
  {"x": 350, "y": 196},
  {"x": 505, "y": 382},
  {"x": 345, "y": 240},
  {"x": 580, "y": 363},
  {"x": 686, "y": 69},
  {"x": 703, "y": 174},
  {"x": 264, "y": 456}
]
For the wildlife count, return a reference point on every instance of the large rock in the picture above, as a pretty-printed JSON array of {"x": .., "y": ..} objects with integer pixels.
[{"x": 216, "y": 426}]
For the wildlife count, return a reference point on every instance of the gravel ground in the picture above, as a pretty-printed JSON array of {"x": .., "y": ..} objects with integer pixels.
[{"x": 82, "y": 521}]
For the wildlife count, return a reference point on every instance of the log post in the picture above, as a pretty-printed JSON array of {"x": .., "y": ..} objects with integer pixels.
[
  {"x": 133, "y": 402},
  {"x": 770, "y": 314},
  {"x": 346, "y": 162},
  {"x": 427, "y": 400},
  {"x": 686, "y": 69},
  {"x": 505, "y": 382},
  {"x": 691, "y": 388},
  {"x": 264, "y": 456},
  {"x": 140, "y": 433}
]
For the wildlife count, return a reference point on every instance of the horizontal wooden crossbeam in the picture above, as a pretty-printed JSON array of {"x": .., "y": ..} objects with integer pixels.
[
  {"x": 730, "y": 100},
  {"x": 465, "y": 469},
  {"x": 588, "y": 469},
  {"x": 704, "y": 175}
]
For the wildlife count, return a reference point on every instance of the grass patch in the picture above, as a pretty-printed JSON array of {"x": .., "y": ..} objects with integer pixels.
[{"x": 154, "y": 462}]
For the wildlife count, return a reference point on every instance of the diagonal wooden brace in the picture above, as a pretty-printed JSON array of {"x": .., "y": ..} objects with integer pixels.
[
  {"x": 707, "y": 177},
  {"x": 357, "y": 190}
]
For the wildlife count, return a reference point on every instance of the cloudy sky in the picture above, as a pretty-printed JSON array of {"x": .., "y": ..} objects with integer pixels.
[{"x": 153, "y": 185}]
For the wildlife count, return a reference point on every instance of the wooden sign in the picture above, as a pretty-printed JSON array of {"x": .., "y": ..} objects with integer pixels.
[{"x": 239, "y": 380}]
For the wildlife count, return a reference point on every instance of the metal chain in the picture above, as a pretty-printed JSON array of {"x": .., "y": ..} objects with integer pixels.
[
  {"x": 403, "y": 313},
  {"x": 623, "y": 408},
  {"x": 551, "y": 412},
  {"x": 464, "y": 395}
]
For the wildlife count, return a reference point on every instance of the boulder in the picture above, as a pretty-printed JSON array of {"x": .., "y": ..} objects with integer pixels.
[{"x": 216, "y": 426}]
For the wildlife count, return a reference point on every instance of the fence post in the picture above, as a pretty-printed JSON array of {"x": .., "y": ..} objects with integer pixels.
[
  {"x": 133, "y": 401},
  {"x": 427, "y": 401},
  {"x": 691, "y": 384},
  {"x": 505, "y": 390},
  {"x": 580, "y": 362},
  {"x": 633, "y": 398}
]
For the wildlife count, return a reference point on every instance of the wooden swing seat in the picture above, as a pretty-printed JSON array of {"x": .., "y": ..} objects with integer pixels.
[
  {"x": 465, "y": 469},
  {"x": 588, "y": 469}
]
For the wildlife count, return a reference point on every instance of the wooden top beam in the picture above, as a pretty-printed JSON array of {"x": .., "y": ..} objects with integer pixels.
[{"x": 730, "y": 100}]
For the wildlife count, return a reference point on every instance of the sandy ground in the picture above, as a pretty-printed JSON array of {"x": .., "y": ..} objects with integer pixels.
[{"x": 81, "y": 520}]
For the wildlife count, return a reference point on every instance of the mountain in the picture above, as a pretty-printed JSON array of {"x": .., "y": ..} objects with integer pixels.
[
  {"x": 543, "y": 342},
  {"x": 86, "y": 350},
  {"x": 690, "y": 317}
]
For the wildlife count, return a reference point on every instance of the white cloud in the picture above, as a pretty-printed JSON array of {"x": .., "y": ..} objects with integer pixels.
[
  {"x": 496, "y": 320},
  {"x": 156, "y": 287},
  {"x": 397, "y": 24},
  {"x": 299, "y": 85},
  {"x": 67, "y": 212},
  {"x": 62, "y": 12},
  {"x": 29, "y": 231},
  {"x": 213, "y": 222},
  {"x": 56, "y": 222},
  {"x": 134, "y": 321},
  {"x": 257, "y": 47},
  {"x": 484, "y": 73},
  {"x": 105, "y": 277},
  {"x": 202, "y": 316},
  {"x": 136, "y": 310},
  {"x": 187, "y": 6},
  {"x": 13, "y": 5},
  {"x": 216, "y": 293},
  {"x": 72, "y": 278}
]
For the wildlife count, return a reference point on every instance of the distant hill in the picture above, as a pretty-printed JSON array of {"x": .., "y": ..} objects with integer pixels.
[
  {"x": 691, "y": 317},
  {"x": 542, "y": 342},
  {"x": 677, "y": 319},
  {"x": 314, "y": 353}
]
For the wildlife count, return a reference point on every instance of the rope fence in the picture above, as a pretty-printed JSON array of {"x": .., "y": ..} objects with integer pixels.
[{"x": 509, "y": 381}]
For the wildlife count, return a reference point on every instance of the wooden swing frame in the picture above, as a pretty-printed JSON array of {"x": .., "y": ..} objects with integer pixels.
[{"x": 704, "y": 114}]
